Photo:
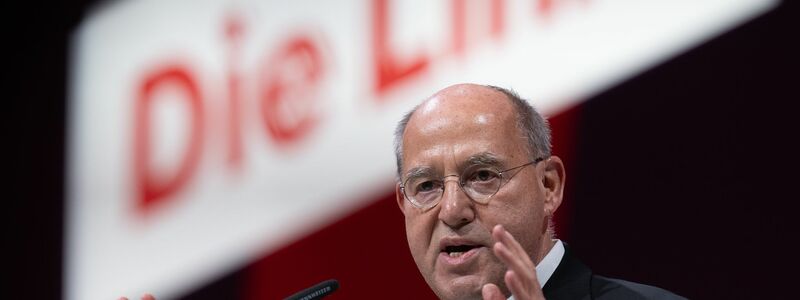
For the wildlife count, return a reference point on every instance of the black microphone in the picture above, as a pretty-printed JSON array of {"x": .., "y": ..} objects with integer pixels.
[{"x": 317, "y": 291}]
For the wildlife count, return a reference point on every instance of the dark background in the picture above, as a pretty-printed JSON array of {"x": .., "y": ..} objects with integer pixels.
[
  {"x": 683, "y": 177},
  {"x": 687, "y": 173}
]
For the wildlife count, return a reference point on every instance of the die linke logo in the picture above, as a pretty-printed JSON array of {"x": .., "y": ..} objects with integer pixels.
[{"x": 292, "y": 74}]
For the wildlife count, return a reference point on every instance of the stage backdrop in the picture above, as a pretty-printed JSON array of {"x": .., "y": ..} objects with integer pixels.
[{"x": 209, "y": 136}]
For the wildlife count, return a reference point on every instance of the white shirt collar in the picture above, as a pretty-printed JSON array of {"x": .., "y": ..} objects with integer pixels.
[{"x": 548, "y": 265}]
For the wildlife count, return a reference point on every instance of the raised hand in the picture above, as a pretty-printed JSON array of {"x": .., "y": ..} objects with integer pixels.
[{"x": 520, "y": 277}]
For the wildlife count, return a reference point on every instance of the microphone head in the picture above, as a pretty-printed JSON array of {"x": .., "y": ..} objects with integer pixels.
[{"x": 317, "y": 291}]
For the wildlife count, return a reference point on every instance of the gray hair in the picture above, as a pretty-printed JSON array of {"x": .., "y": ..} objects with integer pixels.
[{"x": 534, "y": 127}]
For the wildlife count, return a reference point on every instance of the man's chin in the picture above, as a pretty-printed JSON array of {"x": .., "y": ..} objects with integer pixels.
[{"x": 460, "y": 287}]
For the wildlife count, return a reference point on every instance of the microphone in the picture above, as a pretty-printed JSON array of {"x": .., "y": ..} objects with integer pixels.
[{"x": 317, "y": 291}]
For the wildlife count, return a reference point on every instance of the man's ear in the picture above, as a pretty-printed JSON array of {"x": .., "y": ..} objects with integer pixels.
[
  {"x": 399, "y": 197},
  {"x": 553, "y": 183}
]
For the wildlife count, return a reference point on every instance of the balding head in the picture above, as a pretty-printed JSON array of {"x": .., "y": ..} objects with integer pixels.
[{"x": 533, "y": 128}]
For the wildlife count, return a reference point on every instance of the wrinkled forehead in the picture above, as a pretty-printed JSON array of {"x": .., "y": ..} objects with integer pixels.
[
  {"x": 460, "y": 123},
  {"x": 480, "y": 160}
]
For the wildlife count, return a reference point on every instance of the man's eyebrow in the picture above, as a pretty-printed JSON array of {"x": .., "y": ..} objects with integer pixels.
[
  {"x": 484, "y": 159},
  {"x": 419, "y": 171}
]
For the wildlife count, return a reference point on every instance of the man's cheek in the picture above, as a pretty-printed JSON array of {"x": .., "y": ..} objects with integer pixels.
[{"x": 416, "y": 243}]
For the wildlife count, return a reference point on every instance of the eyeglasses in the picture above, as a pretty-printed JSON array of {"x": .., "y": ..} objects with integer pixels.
[{"x": 479, "y": 183}]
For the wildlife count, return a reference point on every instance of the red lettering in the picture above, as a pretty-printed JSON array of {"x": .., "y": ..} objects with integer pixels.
[
  {"x": 460, "y": 32},
  {"x": 459, "y": 26},
  {"x": 233, "y": 32},
  {"x": 544, "y": 7},
  {"x": 289, "y": 92},
  {"x": 388, "y": 69},
  {"x": 498, "y": 8},
  {"x": 150, "y": 190}
]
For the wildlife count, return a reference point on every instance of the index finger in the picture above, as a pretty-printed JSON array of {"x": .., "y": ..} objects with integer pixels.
[
  {"x": 521, "y": 276},
  {"x": 500, "y": 234},
  {"x": 512, "y": 254}
]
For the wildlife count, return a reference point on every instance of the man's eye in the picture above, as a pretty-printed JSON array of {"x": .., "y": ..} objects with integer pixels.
[
  {"x": 483, "y": 175},
  {"x": 426, "y": 186}
]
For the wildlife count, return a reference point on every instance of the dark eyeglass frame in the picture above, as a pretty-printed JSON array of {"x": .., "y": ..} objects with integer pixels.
[{"x": 462, "y": 184}]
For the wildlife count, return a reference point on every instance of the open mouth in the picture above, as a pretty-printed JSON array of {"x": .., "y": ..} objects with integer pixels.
[{"x": 458, "y": 250}]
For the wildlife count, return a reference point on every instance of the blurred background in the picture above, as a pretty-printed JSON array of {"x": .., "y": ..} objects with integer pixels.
[{"x": 243, "y": 149}]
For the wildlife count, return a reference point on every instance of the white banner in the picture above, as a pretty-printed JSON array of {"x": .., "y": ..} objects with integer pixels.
[{"x": 204, "y": 133}]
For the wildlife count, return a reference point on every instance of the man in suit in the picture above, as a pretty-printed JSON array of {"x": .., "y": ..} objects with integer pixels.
[{"x": 478, "y": 187}]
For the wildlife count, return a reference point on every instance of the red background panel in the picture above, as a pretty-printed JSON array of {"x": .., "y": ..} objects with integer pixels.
[{"x": 366, "y": 252}]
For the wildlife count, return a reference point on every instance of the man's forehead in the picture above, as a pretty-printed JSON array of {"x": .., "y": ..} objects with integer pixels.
[
  {"x": 461, "y": 121},
  {"x": 485, "y": 158},
  {"x": 462, "y": 110}
]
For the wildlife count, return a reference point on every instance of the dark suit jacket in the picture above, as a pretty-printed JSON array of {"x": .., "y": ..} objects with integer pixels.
[{"x": 574, "y": 280}]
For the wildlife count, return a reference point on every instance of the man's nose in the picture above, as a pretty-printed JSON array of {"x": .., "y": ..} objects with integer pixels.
[{"x": 456, "y": 208}]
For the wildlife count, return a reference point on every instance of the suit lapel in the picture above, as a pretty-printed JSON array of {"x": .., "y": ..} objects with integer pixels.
[{"x": 571, "y": 279}]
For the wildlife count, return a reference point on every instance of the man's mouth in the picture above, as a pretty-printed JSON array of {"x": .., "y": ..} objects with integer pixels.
[{"x": 458, "y": 250}]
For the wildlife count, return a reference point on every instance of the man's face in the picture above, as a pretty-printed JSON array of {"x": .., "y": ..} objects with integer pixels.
[{"x": 451, "y": 242}]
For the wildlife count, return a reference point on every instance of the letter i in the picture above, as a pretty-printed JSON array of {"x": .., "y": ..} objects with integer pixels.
[{"x": 233, "y": 33}]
